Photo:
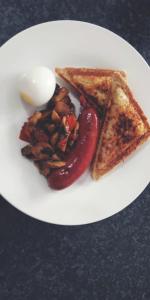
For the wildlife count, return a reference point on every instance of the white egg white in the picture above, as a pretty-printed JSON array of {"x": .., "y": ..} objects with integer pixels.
[{"x": 37, "y": 86}]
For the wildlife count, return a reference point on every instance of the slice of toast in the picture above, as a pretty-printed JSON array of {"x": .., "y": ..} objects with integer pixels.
[
  {"x": 125, "y": 128},
  {"x": 93, "y": 84},
  {"x": 124, "y": 124}
]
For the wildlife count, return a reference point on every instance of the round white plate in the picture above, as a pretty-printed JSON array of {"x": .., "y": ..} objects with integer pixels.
[{"x": 58, "y": 44}]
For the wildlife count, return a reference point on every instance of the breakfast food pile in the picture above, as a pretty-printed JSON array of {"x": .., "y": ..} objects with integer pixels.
[
  {"x": 51, "y": 133},
  {"x": 110, "y": 126}
]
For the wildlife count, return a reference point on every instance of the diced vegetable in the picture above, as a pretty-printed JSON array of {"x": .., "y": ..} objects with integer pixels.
[
  {"x": 35, "y": 117},
  {"x": 54, "y": 138},
  {"x": 62, "y": 144},
  {"x": 26, "y": 132},
  {"x": 51, "y": 132},
  {"x": 55, "y": 157},
  {"x": 51, "y": 128},
  {"x": 69, "y": 122},
  {"x": 39, "y": 153},
  {"x": 74, "y": 134},
  {"x": 27, "y": 152},
  {"x": 55, "y": 164},
  {"x": 55, "y": 117},
  {"x": 63, "y": 92},
  {"x": 40, "y": 136},
  {"x": 62, "y": 108}
]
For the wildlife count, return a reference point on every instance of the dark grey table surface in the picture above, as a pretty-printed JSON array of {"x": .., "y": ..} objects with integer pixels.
[{"x": 108, "y": 260}]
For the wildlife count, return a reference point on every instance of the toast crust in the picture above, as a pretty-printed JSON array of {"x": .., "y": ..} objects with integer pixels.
[{"x": 69, "y": 72}]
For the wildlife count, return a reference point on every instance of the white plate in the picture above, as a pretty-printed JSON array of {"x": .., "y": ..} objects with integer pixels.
[{"x": 67, "y": 43}]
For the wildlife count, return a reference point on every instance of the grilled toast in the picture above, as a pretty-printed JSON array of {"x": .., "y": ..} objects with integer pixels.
[
  {"x": 124, "y": 124},
  {"x": 93, "y": 84},
  {"x": 125, "y": 128}
]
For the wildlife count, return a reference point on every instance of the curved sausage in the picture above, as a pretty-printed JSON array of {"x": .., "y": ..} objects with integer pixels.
[{"x": 81, "y": 156}]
